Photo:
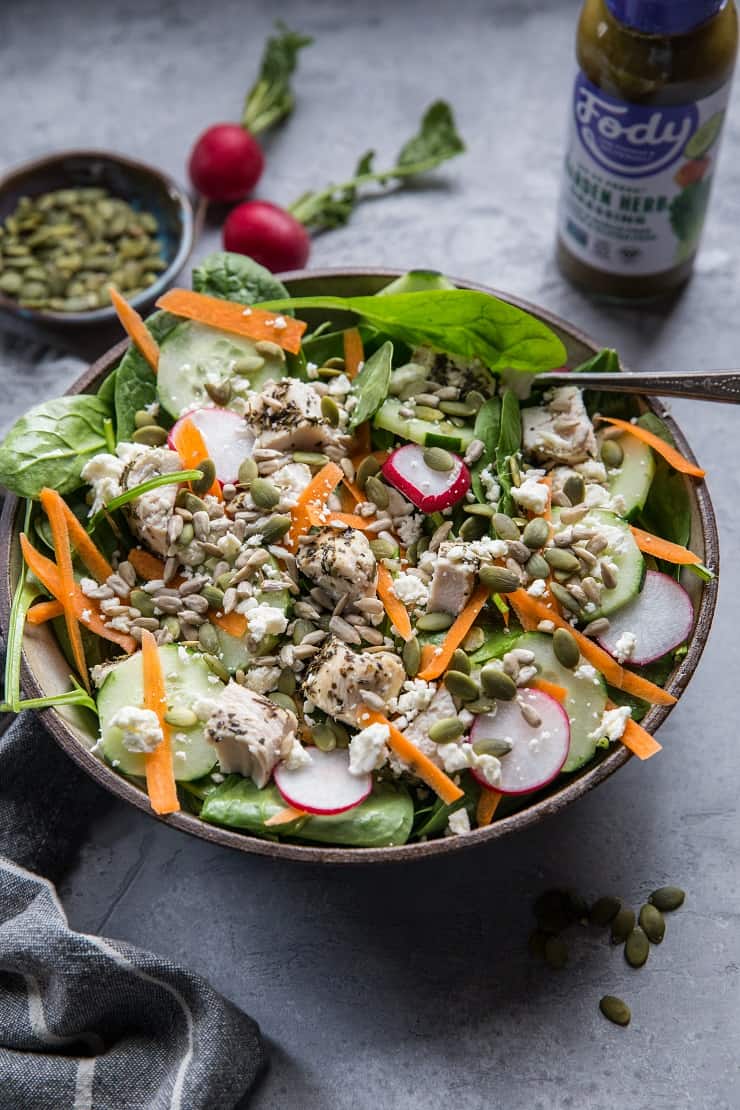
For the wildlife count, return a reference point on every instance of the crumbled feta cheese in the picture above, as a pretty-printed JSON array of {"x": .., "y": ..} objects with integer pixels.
[
  {"x": 625, "y": 646},
  {"x": 489, "y": 768},
  {"x": 592, "y": 470},
  {"x": 410, "y": 589},
  {"x": 490, "y": 484},
  {"x": 458, "y": 822},
  {"x": 85, "y": 615},
  {"x": 260, "y": 680},
  {"x": 263, "y": 620},
  {"x": 141, "y": 729},
  {"x": 546, "y": 626},
  {"x": 339, "y": 386},
  {"x": 585, "y": 670},
  {"x": 280, "y": 323},
  {"x": 415, "y": 697},
  {"x": 487, "y": 549},
  {"x": 408, "y": 528},
  {"x": 537, "y": 588},
  {"x": 204, "y": 708},
  {"x": 103, "y": 472},
  {"x": 312, "y": 370},
  {"x": 297, "y": 757},
  {"x": 532, "y": 495},
  {"x": 454, "y": 757},
  {"x": 89, "y": 586},
  {"x": 291, "y": 480},
  {"x": 368, "y": 749},
  {"x": 613, "y": 723}
]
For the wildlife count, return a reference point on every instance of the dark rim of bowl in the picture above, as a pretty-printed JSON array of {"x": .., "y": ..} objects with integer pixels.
[
  {"x": 522, "y": 819},
  {"x": 148, "y": 295}
]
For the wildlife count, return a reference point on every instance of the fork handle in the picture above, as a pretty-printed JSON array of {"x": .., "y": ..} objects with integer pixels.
[{"x": 701, "y": 385}]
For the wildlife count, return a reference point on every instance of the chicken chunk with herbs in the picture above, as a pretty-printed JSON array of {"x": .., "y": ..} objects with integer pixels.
[
  {"x": 342, "y": 563},
  {"x": 251, "y": 733},
  {"x": 339, "y": 677},
  {"x": 287, "y": 417}
]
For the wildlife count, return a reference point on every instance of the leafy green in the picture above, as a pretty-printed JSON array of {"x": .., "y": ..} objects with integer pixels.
[
  {"x": 509, "y": 442},
  {"x": 24, "y": 594},
  {"x": 75, "y": 696},
  {"x": 135, "y": 383},
  {"x": 370, "y": 387},
  {"x": 51, "y": 443},
  {"x": 605, "y": 361},
  {"x": 460, "y": 322},
  {"x": 416, "y": 281},
  {"x": 172, "y": 478},
  {"x": 667, "y": 510},
  {"x": 435, "y": 142},
  {"x": 688, "y": 208},
  {"x": 486, "y": 429},
  {"x": 271, "y": 99},
  {"x": 235, "y": 277},
  {"x": 497, "y": 642},
  {"x": 434, "y": 819}
]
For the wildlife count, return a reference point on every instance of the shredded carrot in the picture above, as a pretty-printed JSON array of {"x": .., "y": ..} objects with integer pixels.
[
  {"x": 234, "y": 624},
  {"x": 547, "y": 481},
  {"x": 191, "y": 448},
  {"x": 51, "y": 502},
  {"x": 93, "y": 559},
  {"x": 315, "y": 495},
  {"x": 396, "y": 610},
  {"x": 455, "y": 636},
  {"x": 147, "y": 566},
  {"x": 160, "y": 775},
  {"x": 415, "y": 759},
  {"x": 670, "y": 454},
  {"x": 355, "y": 490},
  {"x": 354, "y": 353},
  {"x": 320, "y": 518},
  {"x": 254, "y": 323},
  {"x": 44, "y": 611},
  {"x": 428, "y": 653},
  {"x": 136, "y": 329},
  {"x": 285, "y": 817},
  {"x": 639, "y": 741},
  {"x": 488, "y": 803},
  {"x": 551, "y": 688},
  {"x": 530, "y": 612},
  {"x": 664, "y": 549},
  {"x": 86, "y": 610}
]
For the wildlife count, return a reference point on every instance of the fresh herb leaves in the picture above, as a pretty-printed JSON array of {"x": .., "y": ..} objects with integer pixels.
[
  {"x": 436, "y": 141},
  {"x": 271, "y": 99},
  {"x": 460, "y": 322},
  {"x": 370, "y": 387},
  {"x": 235, "y": 277}
]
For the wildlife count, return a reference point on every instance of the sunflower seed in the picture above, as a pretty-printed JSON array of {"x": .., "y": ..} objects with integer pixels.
[
  {"x": 573, "y": 515},
  {"x": 150, "y": 623},
  {"x": 530, "y": 714},
  {"x": 608, "y": 574},
  {"x": 439, "y": 535},
  {"x": 344, "y": 630},
  {"x": 597, "y": 627}
]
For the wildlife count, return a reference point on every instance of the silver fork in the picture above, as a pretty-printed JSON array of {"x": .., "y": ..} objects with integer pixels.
[{"x": 701, "y": 385}]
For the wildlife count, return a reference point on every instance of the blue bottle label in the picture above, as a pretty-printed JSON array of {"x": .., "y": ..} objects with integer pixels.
[{"x": 637, "y": 179}]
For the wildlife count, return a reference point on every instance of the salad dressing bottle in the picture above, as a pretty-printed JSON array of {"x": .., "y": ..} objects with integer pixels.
[{"x": 648, "y": 107}]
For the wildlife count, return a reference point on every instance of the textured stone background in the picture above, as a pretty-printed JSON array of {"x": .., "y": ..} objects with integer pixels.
[{"x": 411, "y": 987}]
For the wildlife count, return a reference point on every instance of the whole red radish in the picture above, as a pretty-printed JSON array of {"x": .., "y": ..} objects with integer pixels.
[
  {"x": 268, "y": 234},
  {"x": 226, "y": 163}
]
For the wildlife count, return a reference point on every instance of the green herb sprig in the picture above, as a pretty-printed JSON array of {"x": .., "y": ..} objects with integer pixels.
[{"x": 271, "y": 98}]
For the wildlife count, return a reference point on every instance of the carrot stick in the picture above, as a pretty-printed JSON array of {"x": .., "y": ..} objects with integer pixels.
[
  {"x": 285, "y": 817},
  {"x": 135, "y": 328},
  {"x": 93, "y": 559},
  {"x": 488, "y": 803},
  {"x": 315, "y": 495},
  {"x": 254, "y": 323},
  {"x": 396, "y": 610},
  {"x": 192, "y": 450},
  {"x": 354, "y": 353},
  {"x": 639, "y": 741},
  {"x": 44, "y": 611},
  {"x": 235, "y": 624},
  {"x": 320, "y": 518},
  {"x": 86, "y": 610},
  {"x": 160, "y": 775},
  {"x": 670, "y": 454},
  {"x": 455, "y": 636},
  {"x": 50, "y": 501},
  {"x": 146, "y": 566},
  {"x": 664, "y": 549},
  {"x": 530, "y": 612},
  {"x": 356, "y": 492},
  {"x": 428, "y": 653},
  {"x": 551, "y": 688},
  {"x": 418, "y": 763}
]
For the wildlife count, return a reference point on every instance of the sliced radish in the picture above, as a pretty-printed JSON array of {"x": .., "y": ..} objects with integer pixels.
[
  {"x": 227, "y": 436},
  {"x": 425, "y": 487},
  {"x": 538, "y": 753},
  {"x": 324, "y": 785},
  {"x": 659, "y": 618}
]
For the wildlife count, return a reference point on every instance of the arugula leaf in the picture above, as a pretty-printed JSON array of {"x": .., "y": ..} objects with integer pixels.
[
  {"x": 509, "y": 442},
  {"x": 667, "y": 510},
  {"x": 486, "y": 429},
  {"x": 436, "y": 141},
  {"x": 271, "y": 99},
  {"x": 135, "y": 385},
  {"x": 460, "y": 322},
  {"x": 370, "y": 387},
  {"x": 51, "y": 443},
  {"x": 236, "y": 277}
]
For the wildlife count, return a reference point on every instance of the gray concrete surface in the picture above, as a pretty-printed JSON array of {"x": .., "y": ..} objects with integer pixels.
[{"x": 410, "y": 988}]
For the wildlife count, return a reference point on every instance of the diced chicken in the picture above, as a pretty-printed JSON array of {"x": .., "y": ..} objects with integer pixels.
[
  {"x": 561, "y": 430},
  {"x": 250, "y": 732},
  {"x": 340, "y": 562},
  {"x": 338, "y": 677},
  {"x": 453, "y": 579},
  {"x": 149, "y": 514},
  {"x": 287, "y": 417}
]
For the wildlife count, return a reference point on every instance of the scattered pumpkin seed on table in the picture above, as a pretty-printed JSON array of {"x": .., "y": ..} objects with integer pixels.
[{"x": 615, "y": 1010}]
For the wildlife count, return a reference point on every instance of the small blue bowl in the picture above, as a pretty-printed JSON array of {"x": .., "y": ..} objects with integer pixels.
[{"x": 142, "y": 186}]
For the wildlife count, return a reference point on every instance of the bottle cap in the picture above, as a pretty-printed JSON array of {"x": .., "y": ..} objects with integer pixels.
[{"x": 664, "y": 17}]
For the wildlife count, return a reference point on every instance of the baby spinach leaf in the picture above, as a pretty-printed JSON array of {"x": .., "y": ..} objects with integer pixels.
[
  {"x": 235, "y": 277},
  {"x": 370, "y": 387},
  {"x": 135, "y": 385},
  {"x": 51, "y": 443},
  {"x": 461, "y": 322},
  {"x": 486, "y": 429},
  {"x": 667, "y": 510},
  {"x": 509, "y": 442},
  {"x": 605, "y": 361},
  {"x": 271, "y": 99},
  {"x": 416, "y": 281},
  {"x": 435, "y": 821}
]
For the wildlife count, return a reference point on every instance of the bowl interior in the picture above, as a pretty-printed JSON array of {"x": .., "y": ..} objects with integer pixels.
[
  {"x": 46, "y": 672},
  {"x": 144, "y": 187}
]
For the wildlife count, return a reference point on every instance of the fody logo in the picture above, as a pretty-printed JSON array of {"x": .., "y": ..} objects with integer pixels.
[{"x": 631, "y": 140}]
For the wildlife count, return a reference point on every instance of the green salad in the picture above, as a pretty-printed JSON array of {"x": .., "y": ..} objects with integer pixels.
[{"x": 337, "y": 570}]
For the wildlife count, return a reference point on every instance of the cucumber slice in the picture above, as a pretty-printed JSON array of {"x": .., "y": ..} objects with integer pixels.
[
  {"x": 233, "y": 651},
  {"x": 427, "y": 433},
  {"x": 633, "y": 479},
  {"x": 194, "y": 353},
  {"x": 623, "y": 552},
  {"x": 585, "y": 701},
  {"x": 187, "y": 678}
]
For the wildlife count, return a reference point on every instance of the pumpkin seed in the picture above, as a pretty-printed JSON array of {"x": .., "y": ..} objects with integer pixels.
[
  {"x": 436, "y": 458},
  {"x": 283, "y": 700},
  {"x": 615, "y": 1010},
  {"x": 667, "y": 898},
  {"x": 457, "y": 408},
  {"x": 219, "y": 392},
  {"x": 460, "y": 661},
  {"x": 190, "y": 501},
  {"x": 461, "y": 685},
  {"x": 248, "y": 471},
  {"x": 475, "y": 399},
  {"x": 151, "y": 436},
  {"x": 651, "y": 919},
  {"x": 567, "y": 600},
  {"x": 556, "y": 952},
  {"x": 604, "y": 910},
  {"x": 172, "y": 625},
  {"x": 612, "y": 454},
  {"x": 142, "y": 601},
  {"x": 574, "y": 489},
  {"x": 377, "y": 491},
  {"x": 330, "y": 410},
  {"x": 474, "y": 509},
  {"x": 301, "y": 629},
  {"x": 499, "y": 580},
  {"x": 214, "y": 663},
  {"x": 411, "y": 656},
  {"x": 560, "y": 559},
  {"x": 214, "y": 596},
  {"x": 311, "y": 458},
  {"x": 144, "y": 419},
  {"x": 473, "y": 528},
  {"x": 622, "y": 924},
  {"x": 208, "y": 639},
  {"x": 434, "y": 622},
  {"x": 323, "y": 737},
  {"x": 287, "y": 681},
  {"x": 340, "y": 732},
  {"x": 446, "y": 730},
  {"x": 264, "y": 494},
  {"x": 637, "y": 948},
  {"x": 207, "y": 468},
  {"x": 180, "y": 717},
  {"x": 505, "y": 527},
  {"x": 383, "y": 549},
  {"x": 496, "y": 683},
  {"x": 492, "y": 745},
  {"x": 275, "y": 529},
  {"x": 536, "y": 533},
  {"x": 537, "y": 566},
  {"x": 566, "y": 649},
  {"x": 553, "y": 912},
  {"x": 367, "y": 468}
]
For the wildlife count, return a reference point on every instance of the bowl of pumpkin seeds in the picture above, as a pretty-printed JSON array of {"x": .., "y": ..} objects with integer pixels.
[{"x": 75, "y": 223}]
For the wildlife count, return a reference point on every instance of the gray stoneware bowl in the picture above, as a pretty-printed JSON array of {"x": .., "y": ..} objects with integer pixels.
[
  {"x": 44, "y": 670},
  {"x": 143, "y": 186}
]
